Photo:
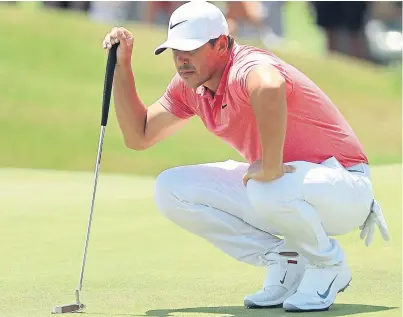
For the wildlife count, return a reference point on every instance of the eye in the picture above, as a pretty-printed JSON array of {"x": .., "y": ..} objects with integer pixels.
[
  {"x": 183, "y": 53},
  {"x": 194, "y": 51}
]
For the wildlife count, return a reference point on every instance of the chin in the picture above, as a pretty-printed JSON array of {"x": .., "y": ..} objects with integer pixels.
[{"x": 191, "y": 84}]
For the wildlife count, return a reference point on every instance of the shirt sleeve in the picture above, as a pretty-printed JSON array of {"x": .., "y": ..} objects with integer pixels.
[
  {"x": 246, "y": 64},
  {"x": 174, "y": 99}
]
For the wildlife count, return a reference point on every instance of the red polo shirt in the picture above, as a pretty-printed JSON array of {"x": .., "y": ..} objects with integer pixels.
[{"x": 316, "y": 130}]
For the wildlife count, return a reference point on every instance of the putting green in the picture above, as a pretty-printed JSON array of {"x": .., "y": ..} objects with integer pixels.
[{"x": 140, "y": 264}]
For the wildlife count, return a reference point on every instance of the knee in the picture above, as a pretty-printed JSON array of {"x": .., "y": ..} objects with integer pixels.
[
  {"x": 263, "y": 203},
  {"x": 167, "y": 191},
  {"x": 163, "y": 190},
  {"x": 269, "y": 200}
]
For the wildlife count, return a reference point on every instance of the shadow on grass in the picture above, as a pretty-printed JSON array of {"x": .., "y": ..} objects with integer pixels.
[{"x": 240, "y": 311}]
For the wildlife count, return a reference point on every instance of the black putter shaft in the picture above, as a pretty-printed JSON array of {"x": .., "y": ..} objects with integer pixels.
[
  {"x": 109, "y": 74},
  {"x": 110, "y": 69}
]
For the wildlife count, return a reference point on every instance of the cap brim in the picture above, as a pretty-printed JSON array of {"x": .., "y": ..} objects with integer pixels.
[{"x": 180, "y": 44}]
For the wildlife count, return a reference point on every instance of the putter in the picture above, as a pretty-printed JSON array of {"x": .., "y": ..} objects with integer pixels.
[{"x": 110, "y": 69}]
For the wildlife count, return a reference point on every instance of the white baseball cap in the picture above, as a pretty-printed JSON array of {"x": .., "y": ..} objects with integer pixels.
[{"x": 192, "y": 25}]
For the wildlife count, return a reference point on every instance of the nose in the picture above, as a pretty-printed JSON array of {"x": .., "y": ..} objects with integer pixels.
[{"x": 180, "y": 57}]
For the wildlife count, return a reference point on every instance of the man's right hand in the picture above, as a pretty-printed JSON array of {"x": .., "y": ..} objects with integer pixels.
[{"x": 125, "y": 38}]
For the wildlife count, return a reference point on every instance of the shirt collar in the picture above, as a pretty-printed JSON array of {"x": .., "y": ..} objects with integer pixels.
[{"x": 201, "y": 90}]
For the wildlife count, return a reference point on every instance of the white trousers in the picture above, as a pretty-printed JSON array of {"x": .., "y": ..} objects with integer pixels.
[{"x": 304, "y": 207}]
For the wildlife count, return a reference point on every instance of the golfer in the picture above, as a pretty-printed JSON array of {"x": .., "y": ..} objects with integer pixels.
[{"x": 305, "y": 179}]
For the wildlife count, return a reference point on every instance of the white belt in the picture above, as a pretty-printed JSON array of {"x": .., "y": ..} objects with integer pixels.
[{"x": 360, "y": 168}]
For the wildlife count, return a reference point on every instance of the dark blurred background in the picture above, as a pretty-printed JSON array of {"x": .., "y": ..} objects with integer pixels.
[{"x": 370, "y": 30}]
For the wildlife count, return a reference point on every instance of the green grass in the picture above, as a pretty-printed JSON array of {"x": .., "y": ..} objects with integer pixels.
[
  {"x": 140, "y": 264},
  {"x": 52, "y": 70}
]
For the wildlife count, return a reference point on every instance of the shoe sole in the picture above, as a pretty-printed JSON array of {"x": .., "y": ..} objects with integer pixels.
[
  {"x": 277, "y": 304},
  {"x": 251, "y": 305},
  {"x": 294, "y": 309}
]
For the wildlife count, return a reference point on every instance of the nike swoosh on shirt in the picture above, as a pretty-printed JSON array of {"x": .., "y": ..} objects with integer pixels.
[{"x": 326, "y": 294}]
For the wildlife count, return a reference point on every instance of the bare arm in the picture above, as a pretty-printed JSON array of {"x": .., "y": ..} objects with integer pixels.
[
  {"x": 266, "y": 87},
  {"x": 141, "y": 127}
]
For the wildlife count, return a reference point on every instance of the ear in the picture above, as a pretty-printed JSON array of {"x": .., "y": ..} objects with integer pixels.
[{"x": 222, "y": 44}]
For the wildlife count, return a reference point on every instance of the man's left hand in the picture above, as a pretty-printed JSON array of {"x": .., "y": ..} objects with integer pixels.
[{"x": 257, "y": 172}]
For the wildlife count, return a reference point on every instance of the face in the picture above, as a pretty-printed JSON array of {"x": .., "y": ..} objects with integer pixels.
[{"x": 198, "y": 66}]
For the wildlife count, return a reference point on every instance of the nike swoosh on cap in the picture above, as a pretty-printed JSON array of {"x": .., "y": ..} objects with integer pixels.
[{"x": 172, "y": 26}]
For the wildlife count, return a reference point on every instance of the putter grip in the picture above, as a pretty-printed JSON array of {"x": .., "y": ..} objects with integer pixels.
[{"x": 110, "y": 70}]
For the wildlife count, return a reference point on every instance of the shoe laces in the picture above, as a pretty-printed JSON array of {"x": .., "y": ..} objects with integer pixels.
[
  {"x": 310, "y": 266},
  {"x": 272, "y": 262},
  {"x": 269, "y": 259}
]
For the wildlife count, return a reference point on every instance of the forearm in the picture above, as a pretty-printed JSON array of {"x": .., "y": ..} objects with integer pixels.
[
  {"x": 270, "y": 109},
  {"x": 130, "y": 111}
]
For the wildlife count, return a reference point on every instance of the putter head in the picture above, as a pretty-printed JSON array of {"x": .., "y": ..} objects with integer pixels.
[{"x": 72, "y": 308}]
